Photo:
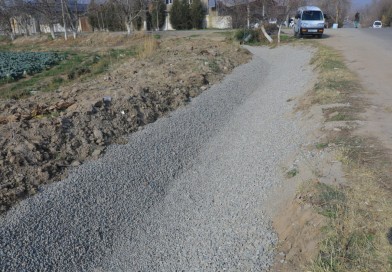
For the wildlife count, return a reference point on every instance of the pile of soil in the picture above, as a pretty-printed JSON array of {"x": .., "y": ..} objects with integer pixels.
[{"x": 44, "y": 135}]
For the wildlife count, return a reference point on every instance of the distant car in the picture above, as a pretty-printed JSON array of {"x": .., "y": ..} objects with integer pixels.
[{"x": 377, "y": 24}]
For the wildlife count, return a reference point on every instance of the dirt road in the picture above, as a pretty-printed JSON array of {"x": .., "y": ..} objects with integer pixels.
[{"x": 368, "y": 53}]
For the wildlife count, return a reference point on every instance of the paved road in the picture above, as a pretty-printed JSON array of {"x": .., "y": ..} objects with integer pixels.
[{"x": 185, "y": 194}]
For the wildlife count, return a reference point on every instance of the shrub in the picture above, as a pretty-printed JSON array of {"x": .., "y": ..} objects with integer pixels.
[
  {"x": 247, "y": 35},
  {"x": 179, "y": 15},
  {"x": 197, "y": 14}
]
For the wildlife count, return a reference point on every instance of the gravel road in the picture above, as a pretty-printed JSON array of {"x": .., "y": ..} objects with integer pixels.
[{"x": 185, "y": 194}]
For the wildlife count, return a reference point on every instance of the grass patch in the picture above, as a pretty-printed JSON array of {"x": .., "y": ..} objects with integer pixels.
[
  {"x": 229, "y": 35},
  {"x": 214, "y": 66},
  {"x": 321, "y": 145},
  {"x": 292, "y": 173},
  {"x": 336, "y": 81},
  {"x": 339, "y": 117}
]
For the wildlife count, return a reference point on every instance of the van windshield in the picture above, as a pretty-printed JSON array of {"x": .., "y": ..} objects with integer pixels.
[{"x": 312, "y": 15}]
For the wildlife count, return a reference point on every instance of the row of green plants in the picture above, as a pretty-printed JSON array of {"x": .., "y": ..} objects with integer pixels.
[
  {"x": 15, "y": 65},
  {"x": 76, "y": 65}
]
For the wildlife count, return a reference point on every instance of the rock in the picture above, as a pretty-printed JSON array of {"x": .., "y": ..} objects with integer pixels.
[
  {"x": 337, "y": 129},
  {"x": 20, "y": 148},
  {"x": 107, "y": 99},
  {"x": 29, "y": 145},
  {"x": 77, "y": 163},
  {"x": 3, "y": 120},
  {"x": 62, "y": 105},
  {"x": 12, "y": 159},
  {"x": 75, "y": 90},
  {"x": 13, "y": 118},
  {"x": 96, "y": 153},
  {"x": 98, "y": 104},
  {"x": 97, "y": 134}
]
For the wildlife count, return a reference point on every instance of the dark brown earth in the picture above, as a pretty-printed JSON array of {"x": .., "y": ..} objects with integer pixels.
[{"x": 44, "y": 135}]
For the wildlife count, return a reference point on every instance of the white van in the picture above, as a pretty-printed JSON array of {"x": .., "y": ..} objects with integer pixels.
[{"x": 309, "y": 20}]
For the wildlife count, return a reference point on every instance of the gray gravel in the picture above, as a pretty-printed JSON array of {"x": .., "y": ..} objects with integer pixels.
[{"x": 186, "y": 192}]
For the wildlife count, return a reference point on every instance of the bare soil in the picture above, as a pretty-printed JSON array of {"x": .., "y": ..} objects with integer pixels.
[{"x": 44, "y": 135}]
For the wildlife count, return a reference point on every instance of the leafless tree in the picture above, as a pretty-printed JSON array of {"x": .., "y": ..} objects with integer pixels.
[
  {"x": 284, "y": 9},
  {"x": 378, "y": 10},
  {"x": 337, "y": 10},
  {"x": 246, "y": 12},
  {"x": 49, "y": 11},
  {"x": 130, "y": 11},
  {"x": 5, "y": 18},
  {"x": 72, "y": 12}
]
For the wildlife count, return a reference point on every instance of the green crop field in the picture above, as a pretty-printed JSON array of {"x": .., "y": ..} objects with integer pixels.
[{"x": 14, "y": 65}]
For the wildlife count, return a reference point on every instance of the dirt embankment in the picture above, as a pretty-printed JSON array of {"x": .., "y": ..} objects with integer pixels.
[{"x": 47, "y": 133}]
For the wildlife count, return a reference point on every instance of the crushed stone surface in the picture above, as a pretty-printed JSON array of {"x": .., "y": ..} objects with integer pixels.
[{"x": 184, "y": 194}]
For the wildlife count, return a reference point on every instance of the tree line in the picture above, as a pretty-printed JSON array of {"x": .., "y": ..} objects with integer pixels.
[
  {"x": 129, "y": 15},
  {"x": 110, "y": 15},
  {"x": 378, "y": 10}
]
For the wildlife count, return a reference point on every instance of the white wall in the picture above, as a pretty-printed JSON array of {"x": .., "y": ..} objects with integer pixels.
[{"x": 220, "y": 22}]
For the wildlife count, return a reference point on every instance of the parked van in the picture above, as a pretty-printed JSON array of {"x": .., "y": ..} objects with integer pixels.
[{"x": 309, "y": 20}]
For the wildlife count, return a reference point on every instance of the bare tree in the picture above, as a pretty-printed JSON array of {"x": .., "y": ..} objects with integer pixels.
[
  {"x": 50, "y": 11},
  {"x": 285, "y": 8},
  {"x": 336, "y": 9},
  {"x": 378, "y": 10},
  {"x": 5, "y": 18},
  {"x": 73, "y": 10},
  {"x": 130, "y": 11},
  {"x": 246, "y": 12}
]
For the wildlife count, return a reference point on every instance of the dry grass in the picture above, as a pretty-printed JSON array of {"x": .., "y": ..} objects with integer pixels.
[
  {"x": 388, "y": 109},
  {"x": 335, "y": 82},
  {"x": 358, "y": 236},
  {"x": 150, "y": 46}
]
